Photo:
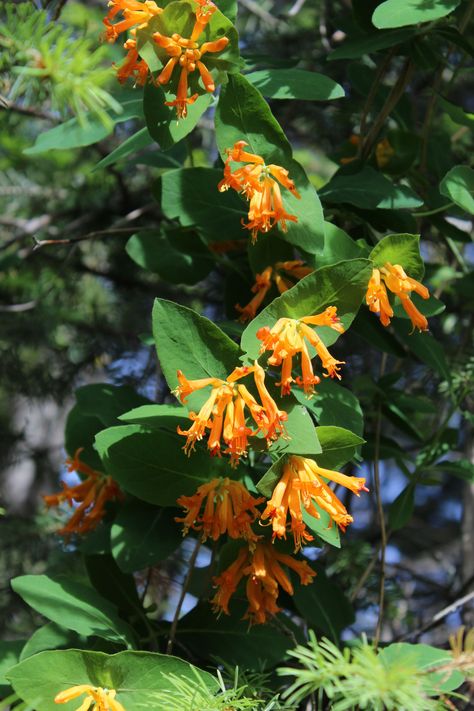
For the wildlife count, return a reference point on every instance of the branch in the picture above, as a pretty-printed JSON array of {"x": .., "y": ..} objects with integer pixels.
[{"x": 8, "y": 105}]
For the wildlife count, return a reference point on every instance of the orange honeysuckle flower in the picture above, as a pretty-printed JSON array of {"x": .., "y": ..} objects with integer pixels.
[
  {"x": 228, "y": 508},
  {"x": 287, "y": 338},
  {"x": 132, "y": 65},
  {"x": 260, "y": 184},
  {"x": 224, "y": 413},
  {"x": 135, "y": 14},
  {"x": 262, "y": 565},
  {"x": 263, "y": 282},
  {"x": 383, "y": 151},
  {"x": 97, "y": 698},
  {"x": 393, "y": 277},
  {"x": 187, "y": 53},
  {"x": 302, "y": 486},
  {"x": 92, "y": 493}
]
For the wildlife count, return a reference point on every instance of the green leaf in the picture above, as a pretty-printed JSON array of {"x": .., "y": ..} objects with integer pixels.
[
  {"x": 400, "y": 249},
  {"x": 107, "y": 402},
  {"x": 73, "y": 605},
  {"x": 369, "y": 189},
  {"x": 10, "y": 651},
  {"x": 401, "y": 510},
  {"x": 50, "y": 636},
  {"x": 458, "y": 185},
  {"x": 134, "y": 675},
  {"x": 295, "y": 84},
  {"x": 422, "y": 658},
  {"x": 132, "y": 144},
  {"x": 356, "y": 47},
  {"x": 189, "y": 342},
  {"x": 229, "y": 637},
  {"x": 243, "y": 114},
  {"x": 342, "y": 285},
  {"x": 161, "y": 120},
  {"x": 338, "y": 247},
  {"x": 76, "y": 134},
  {"x": 338, "y": 444},
  {"x": 162, "y": 417},
  {"x": 324, "y": 606},
  {"x": 151, "y": 465},
  {"x": 457, "y": 113},
  {"x": 300, "y": 430},
  {"x": 462, "y": 468},
  {"x": 425, "y": 347},
  {"x": 143, "y": 535},
  {"x": 177, "y": 256},
  {"x": 397, "y": 13},
  {"x": 191, "y": 195},
  {"x": 333, "y": 404}
]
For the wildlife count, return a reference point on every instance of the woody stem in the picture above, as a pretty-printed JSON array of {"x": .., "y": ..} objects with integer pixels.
[
  {"x": 174, "y": 624},
  {"x": 378, "y": 495}
]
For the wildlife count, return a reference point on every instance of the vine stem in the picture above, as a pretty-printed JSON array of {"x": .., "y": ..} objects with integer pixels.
[
  {"x": 174, "y": 624},
  {"x": 379, "y": 75},
  {"x": 378, "y": 496}
]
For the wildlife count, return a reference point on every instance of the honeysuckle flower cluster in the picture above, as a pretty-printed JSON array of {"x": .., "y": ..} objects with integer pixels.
[
  {"x": 97, "y": 698},
  {"x": 260, "y": 184},
  {"x": 287, "y": 338},
  {"x": 88, "y": 498},
  {"x": 302, "y": 486},
  {"x": 187, "y": 54},
  {"x": 283, "y": 274},
  {"x": 261, "y": 564},
  {"x": 135, "y": 16},
  {"x": 220, "y": 506},
  {"x": 394, "y": 278},
  {"x": 224, "y": 413}
]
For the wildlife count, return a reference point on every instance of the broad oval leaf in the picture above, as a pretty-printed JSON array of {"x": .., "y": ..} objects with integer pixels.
[
  {"x": 189, "y": 342},
  {"x": 338, "y": 444},
  {"x": 458, "y": 185},
  {"x": 400, "y": 13},
  {"x": 75, "y": 606},
  {"x": 401, "y": 249},
  {"x": 369, "y": 189},
  {"x": 151, "y": 464},
  {"x": 134, "y": 675},
  {"x": 295, "y": 84}
]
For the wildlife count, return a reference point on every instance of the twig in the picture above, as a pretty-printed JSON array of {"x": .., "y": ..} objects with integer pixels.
[
  {"x": 392, "y": 100},
  {"x": 439, "y": 617},
  {"x": 174, "y": 624},
  {"x": 91, "y": 235},
  {"x": 272, "y": 21},
  {"x": 378, "y": 496},
  {"x": 365, "y": 575},
  {"x": 379, "y": 75},
  {"x": 9, "y": 105}
]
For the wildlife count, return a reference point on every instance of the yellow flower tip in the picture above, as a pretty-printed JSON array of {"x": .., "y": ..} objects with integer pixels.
[
  {"x": 72, "y": 693},
  {"x": 101, "y": 699}
]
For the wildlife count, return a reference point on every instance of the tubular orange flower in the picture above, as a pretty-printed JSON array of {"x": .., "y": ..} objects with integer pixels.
[
  {"x": 91, "y": 494},
  {"x": 396, "y": 280},
  {"x": 224, "y": 415},
  {"x": 97, "y": 698},
  {"x": 263, "y": 282},
  {"x": 302, "y": 487},
  {"x": 132, "y": 65},
  {"x": 260, "y": 184},
  {"x": 262, "y": 565},
  {"x": 287, "y": 338},
  {"x": 228, "y": 508},
  {"x": 135, "y": 14},
  {"x": 188, "y": 53}
]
